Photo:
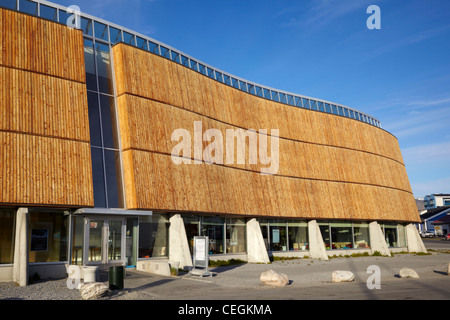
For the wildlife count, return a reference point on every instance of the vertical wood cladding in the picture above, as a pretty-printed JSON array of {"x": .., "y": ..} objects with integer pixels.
[
  {"x": 331, "y": 167},
  {"x": 44, "y": 125}
]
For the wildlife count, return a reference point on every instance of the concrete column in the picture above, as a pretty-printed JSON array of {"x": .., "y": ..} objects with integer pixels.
[
  {"x": 414, "y": 241},
  {"x": 316, "y": 246},
  {"x": 20, "y": 268},
  {"x": 256, "y": 249},
  {"x": 178, "y": 242},
  {"x": 377, "y": 240}
]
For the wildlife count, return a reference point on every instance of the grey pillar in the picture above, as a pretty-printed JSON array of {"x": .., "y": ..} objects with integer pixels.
[
  {"x": 256, "y": 249},
  {"x": 178, "y": 242},
  {"x": 414, "y": 241},
  {"x": 316, "y": 246},
  {"x": 20, "y": 268},
  {"x": 377, "y": 240}
]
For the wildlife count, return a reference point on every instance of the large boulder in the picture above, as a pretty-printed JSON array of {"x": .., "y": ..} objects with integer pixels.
[
  {"x": 273, "y": 278},
  {"x": 93, "y": 290},
  {"x": 407, "y": 273},
  {"x": 342, "y": 276}
]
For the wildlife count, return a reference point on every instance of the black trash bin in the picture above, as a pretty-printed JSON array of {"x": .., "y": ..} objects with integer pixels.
[{"x": 116, "y": 277}]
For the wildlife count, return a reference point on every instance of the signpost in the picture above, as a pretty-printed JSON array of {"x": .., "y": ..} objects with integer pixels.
[{"x": 201, "y": 257}]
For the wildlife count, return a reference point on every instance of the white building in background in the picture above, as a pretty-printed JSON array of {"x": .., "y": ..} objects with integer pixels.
[{"x": 436, "y": 200}]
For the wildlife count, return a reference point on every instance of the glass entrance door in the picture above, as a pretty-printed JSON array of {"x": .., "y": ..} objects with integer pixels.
[
  {"x": 104, "y": 240},
  {"x": 115, "y": 240}
]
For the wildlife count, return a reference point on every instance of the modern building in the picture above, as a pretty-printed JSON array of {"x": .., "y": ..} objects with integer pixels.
[
  {"x": 433, "y": 220},
  {"x": 436, "y": 200},
  {"x": 91, "y": 175}
]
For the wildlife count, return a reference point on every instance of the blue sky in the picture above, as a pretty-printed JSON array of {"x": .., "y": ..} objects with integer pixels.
[{"x": 399, "y": 74}]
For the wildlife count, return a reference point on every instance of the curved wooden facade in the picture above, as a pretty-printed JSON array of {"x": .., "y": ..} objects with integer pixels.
[
  {"x": 330, "y": 167},
  {"x": 44, "y": 127}
]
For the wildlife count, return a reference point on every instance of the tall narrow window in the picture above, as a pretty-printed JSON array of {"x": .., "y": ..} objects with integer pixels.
[{"x": 6, "y": 236}]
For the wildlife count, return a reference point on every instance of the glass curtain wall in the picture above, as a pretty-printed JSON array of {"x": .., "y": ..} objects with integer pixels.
[
  {"x": 284, "y": 235},
  {"x": 235, "y": 235},
  {"x": 213, "y": 228},
  {"x": 153, "y": 236},
  {"x": 225, "y": 235},
  {"x": 394, "y": 235},
  {"x": 345, "y": 235},
  {"x": 102, "y": 116},
  {"x": 7, "y": 221},
  {"x": 48, "y": 236}
]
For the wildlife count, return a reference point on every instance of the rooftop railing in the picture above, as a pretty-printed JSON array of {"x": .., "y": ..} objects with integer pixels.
[{"x": 110, "y": 33}]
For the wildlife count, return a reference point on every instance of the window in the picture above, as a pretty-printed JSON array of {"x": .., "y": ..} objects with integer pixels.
[
  {"x": 94, "y": 119},
  {"x": 194, "y": 65},
  {"x": 86, "y": 26},
  {"x": 394, "y": 235},
  {"x": 284, "y": 235},
  {"x": 48, "y": 12},
  {"x": 325, "y": 231},
  {"x": 213, "y": 228},
  {"x": 77, "y": 239},
  {"x": 115, "y": 35},
  {"x": 341, "y": 235},
  {"x": 298, "y": 235},
  {"x": 153, "y": 47},
  {"x": 103, "y": 68},
  {"x": 446, "y": 202},
  {"x": 28, "y": 7},
  {"x": 192, "y": 227},
  {"x": 278, "y": 235},
  {"x": 98, "y": 177},
  {"x": 141, "y": 43},
  {"x": 224, "y": 235},
  {"x": 101, "y": 31},
  {"x": 361, "y": 235},
  {"x": 7, "y": 218},
  {"x": 235, "y": 235},
  {"x": 184, "y": 61},
  {"x": 175, "y": 57},
  {"x": 153, "y": 236},
  {"x": 164, "y": 52},
  {"x": 128, "y": 38},
  {"x": 48, "y": 236},
  {"x": 345, "y": 235},
  {"x": 11, "y": 4},
  {"x": 109, "y": 128},
  {"x": 89, "y": 62},
  {"x": 112, "y": 170}
]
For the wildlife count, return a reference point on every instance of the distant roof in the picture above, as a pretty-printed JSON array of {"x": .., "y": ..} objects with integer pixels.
[
  {"x": 432, "y": 212},
  {"x": 443, "y": 220},
  {"x": 440, "y": 194}
]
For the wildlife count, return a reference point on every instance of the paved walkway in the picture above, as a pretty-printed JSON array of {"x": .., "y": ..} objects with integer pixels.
[{"x": 309, "y": 279}]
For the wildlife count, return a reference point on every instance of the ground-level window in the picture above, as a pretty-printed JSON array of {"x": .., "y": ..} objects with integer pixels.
[
  {"x": 7, "y": 218},
  {"x": 284, "y": 235},
  {"x": 394, "y": 235},
  {"x": 213, "y": 228},
  {"x": 48, "y": 236},
  {"x": 345, "y": 235},
  {"x": 235, "y": 235},
  {"x": 153, "y": 236},
  {"x": 77, "y": 239},
  {"x": 225, "y": 235}
]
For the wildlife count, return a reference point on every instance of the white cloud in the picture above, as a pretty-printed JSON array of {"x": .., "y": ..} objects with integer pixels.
[{"x": 427, "y": 154}]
